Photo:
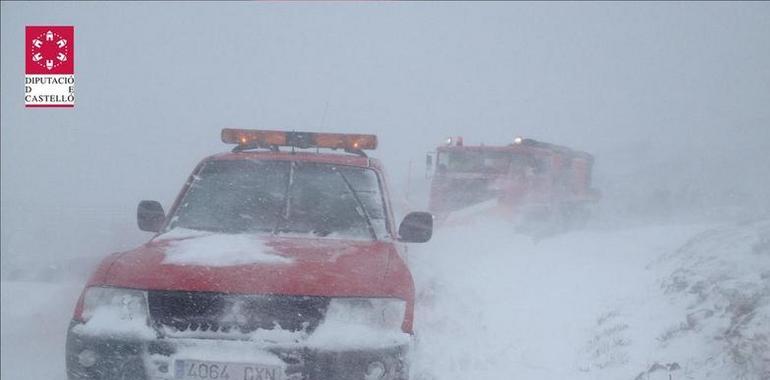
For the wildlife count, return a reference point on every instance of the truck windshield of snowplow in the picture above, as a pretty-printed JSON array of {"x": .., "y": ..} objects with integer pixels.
[
  {"x": 474, "y": 161},
  {"x": 283, "y": 197},
  {"x": 489, "y": 162}
]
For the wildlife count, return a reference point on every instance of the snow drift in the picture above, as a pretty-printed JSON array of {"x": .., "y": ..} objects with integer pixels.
[{"x": 644, "y": 303}]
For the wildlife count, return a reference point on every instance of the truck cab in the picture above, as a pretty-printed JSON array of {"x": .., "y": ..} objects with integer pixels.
[{"x": 278, "y": 260}]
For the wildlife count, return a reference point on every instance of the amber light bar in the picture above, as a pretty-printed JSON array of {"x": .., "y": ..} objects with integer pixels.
[{"x": 265, "y": 138}]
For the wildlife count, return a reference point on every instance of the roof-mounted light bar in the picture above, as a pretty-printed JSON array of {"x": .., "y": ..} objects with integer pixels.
[
  {"x": 518, "y": 140},
  {"x": 454, "y": 140},
  {"x": 303, "y": 140}
]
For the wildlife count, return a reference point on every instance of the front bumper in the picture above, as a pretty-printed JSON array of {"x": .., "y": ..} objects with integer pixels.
[{"x": 112, "y": 358}]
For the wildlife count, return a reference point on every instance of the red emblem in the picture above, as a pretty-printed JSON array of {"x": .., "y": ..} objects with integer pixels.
[{"x": 50, "y": 49}]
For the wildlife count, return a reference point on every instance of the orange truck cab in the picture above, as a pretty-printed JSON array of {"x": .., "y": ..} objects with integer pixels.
[
  {"x": 523, "y": 179},
  {"x": 278, "y": 260}
]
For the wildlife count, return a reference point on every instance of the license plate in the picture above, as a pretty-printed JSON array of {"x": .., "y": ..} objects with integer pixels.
[{"x": 206, "y": 370}]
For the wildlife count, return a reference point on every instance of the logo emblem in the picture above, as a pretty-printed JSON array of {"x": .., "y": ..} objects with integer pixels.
[{"x": 50, "y": 50}]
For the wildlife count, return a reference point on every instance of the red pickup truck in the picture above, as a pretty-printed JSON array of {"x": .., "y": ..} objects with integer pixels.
[{"x": 277, "y": 261}]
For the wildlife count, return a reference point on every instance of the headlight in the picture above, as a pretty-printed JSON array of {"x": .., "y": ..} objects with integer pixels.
[
  {"x": 123, "y": 304},
  {"x": 384, "y": 313}
]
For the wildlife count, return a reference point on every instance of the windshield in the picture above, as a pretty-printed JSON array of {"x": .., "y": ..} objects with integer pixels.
[
  {"x": 283, "y": 197},
  {"x": 474, "y": 161}
]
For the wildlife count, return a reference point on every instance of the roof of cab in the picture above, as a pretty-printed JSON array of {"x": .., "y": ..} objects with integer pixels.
[{"x": 322, "y": 157}]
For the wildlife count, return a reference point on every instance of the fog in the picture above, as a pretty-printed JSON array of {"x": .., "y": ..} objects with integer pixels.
[
  {"x": 681, "y": 87},
  {"x": 671, "y": 98}
]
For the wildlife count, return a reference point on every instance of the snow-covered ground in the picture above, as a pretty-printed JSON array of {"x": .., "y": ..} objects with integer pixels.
[
  {"x": 591, "y": 304},
  {"x": 690, "y": 301},
  {"x": 34, "y": 319}
]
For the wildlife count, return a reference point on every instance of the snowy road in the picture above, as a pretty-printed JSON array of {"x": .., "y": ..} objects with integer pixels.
[
  {"x": 583, "y": 305},
  {"x": 493, "y": 304},
  {"x": 504, "y": 305}
]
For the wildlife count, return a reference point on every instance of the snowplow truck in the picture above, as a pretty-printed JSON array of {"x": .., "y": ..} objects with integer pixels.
[{"x": 525, "y": 181}]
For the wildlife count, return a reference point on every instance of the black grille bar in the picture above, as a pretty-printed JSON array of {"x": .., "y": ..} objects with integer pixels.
[{"x": 221, "y": 312}]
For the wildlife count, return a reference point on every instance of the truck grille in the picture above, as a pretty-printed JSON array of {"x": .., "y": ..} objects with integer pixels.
[{"x": 234, "y": 313}]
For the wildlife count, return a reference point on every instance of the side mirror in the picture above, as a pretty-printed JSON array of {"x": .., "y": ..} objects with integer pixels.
[
  {"x": 417, "y": 227},
  {"x": 150, "y": 216}
]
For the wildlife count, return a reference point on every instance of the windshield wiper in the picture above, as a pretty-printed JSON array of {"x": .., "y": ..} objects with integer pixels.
[{"x": 364, "y": 214}]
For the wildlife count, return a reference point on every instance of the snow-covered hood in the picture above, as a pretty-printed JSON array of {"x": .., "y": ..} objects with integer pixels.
[{"x": 251, "y": 264}]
